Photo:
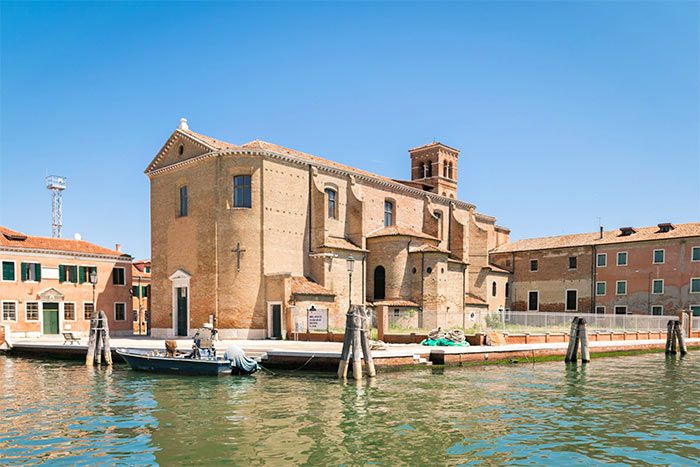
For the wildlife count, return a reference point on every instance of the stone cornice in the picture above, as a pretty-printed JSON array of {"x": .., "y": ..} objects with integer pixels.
[
  {"x": 174, "y": 137},
  {"x": 68, "y": 254},
  {"x": 321, "y": 167}
]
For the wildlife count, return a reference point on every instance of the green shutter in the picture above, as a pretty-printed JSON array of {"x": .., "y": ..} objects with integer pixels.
[
  {"x": 61, "y": 273},
  {"x": 23, "y": 271},
  {"x": 81, "y": 274},
  {"x": 38, "y": 272},
  {"x": 8, "y": 271}
]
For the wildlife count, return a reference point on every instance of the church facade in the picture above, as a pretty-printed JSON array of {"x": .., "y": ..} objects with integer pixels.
[{"x": 251, "y": 235}]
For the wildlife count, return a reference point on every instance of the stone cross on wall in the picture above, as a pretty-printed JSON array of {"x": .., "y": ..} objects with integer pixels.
[{"x": 238, "y": 251}]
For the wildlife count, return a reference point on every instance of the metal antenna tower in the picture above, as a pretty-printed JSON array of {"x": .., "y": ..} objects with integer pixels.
[{"x": 56, "y": 184}]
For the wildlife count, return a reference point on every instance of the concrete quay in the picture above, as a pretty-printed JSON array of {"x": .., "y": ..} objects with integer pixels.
[{"x": 325, "y": 356}]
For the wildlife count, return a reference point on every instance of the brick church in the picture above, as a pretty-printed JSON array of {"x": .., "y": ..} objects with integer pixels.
[{"x": 248, "y": 234}]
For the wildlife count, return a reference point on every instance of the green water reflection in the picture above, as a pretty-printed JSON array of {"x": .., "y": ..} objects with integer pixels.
[{"x": 639, "y": 410}]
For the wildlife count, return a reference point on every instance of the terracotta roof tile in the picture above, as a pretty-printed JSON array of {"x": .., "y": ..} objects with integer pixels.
[
  {"x": 396, "y": 231},
  {"x": 11, "y": 238},
  {"x": 495, "y": 268},
  {"x": 426, "y": 248},
  {"x": 304, "y": 286},
  {"x": 609, "y": 237},
  {"x": 341, "y": 244},
  {"x": 472, "y": 299}
]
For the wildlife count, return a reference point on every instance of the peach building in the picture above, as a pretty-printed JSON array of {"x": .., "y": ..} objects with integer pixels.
[
  {"x": 247, "y": 235},
  {"x": 45, "y": 285},
  {"x": 647, "y": 270},
  {"x": 141, "y": 296}
]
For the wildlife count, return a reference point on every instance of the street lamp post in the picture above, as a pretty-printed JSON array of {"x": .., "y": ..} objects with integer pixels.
[
  {"x": 93, "y": 281},
  {"x": 351, "y": 267},
  {"x": 140, "y": 292}
]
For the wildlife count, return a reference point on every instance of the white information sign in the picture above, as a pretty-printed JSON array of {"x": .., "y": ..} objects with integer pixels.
[{"x": 318, "y": 320}]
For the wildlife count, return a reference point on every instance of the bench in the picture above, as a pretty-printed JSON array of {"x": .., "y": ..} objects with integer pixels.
[{"x": 69, "y": 336}]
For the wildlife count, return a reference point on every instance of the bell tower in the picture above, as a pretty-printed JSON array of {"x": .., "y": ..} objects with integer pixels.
[{"x": 435, "y": 167}]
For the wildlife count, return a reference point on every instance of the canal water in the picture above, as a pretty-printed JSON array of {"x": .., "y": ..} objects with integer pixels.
[{"x": 633, "y": 410}]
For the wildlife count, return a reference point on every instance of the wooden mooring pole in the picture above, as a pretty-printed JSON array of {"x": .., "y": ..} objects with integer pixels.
[
  {"x": 356, "y": 344},
  {"x": 578, "y": 334},
  {"x": 669, "y": 336},
  {"x": 98, "y": 341},
  {"x": 678, "y": 334}
]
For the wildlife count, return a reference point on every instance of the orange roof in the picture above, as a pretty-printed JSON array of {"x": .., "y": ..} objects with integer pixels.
[
  {"x": 426, "y": 248},
  {"x": 593, "y": 238},
  {"x": 11, "y": 238},
  {"x": 399, "y": 231},
  {"x": 341, "y": 244},
  {"x": 139, "y": 268},
  {"x": 305, "y": 286},
  {"x": 495, "y": 268},
  {"x": 472, "y": 299},
  {"x": 431, "y": 145}
]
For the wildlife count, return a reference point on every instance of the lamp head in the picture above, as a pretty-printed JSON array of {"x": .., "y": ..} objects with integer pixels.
[{"x": 351, "y": 263}]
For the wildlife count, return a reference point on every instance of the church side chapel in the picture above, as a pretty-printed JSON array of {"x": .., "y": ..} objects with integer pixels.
[{"x": 251, "y": 236}]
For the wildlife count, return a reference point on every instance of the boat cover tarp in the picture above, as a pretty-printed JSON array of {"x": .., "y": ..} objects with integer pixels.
[
  {"x": 442, "y": 341},
  {"x": 240, "y": 360}
]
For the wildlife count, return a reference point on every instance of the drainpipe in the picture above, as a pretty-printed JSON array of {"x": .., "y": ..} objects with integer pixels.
[
  {"x": 309, "y": 207},
  {"x": 449, "y": 228},
  {"x": 594, "y": 272},
  {"x": 422, "y": 278}
]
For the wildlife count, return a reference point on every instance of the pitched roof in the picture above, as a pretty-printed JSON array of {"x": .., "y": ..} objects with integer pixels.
[
  {"x": 340, "y": 244},
  {"x": 609, "y": 237},
  {"x": 495, "y": 268},
  {"x": 472, "y": 299},
  {"x": 11, "y": 238},
  {"x": 304, "y": 286},
  {"x": 399, "y": 231},
  {"x": 426, "y": 248}
]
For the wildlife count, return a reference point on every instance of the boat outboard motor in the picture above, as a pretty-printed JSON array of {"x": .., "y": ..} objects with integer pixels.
[{"x": 239, "y": 360}]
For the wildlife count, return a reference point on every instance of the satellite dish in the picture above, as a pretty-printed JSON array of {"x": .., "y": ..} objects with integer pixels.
[{"x": 77, "y": 236}]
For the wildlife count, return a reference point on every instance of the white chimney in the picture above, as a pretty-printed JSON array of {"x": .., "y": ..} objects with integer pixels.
[
  {"x": 183, "y": 124},
  {"x": 118, "y": 248}
]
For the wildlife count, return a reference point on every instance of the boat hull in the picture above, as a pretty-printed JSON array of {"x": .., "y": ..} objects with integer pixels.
[{"x": 175, "y": 365}]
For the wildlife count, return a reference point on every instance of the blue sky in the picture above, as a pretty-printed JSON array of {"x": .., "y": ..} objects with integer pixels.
[{"x": 564, "y": 111}]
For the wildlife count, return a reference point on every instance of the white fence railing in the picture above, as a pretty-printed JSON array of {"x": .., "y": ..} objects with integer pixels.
[{"x": 405, "y": 321}]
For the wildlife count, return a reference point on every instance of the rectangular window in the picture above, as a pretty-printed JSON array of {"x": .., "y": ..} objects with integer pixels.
[
  {"x": 68, "y": 273},
  {"x": 183, "y": 201},
  {"x": 695, "y": 255},
  {"x": 622, "y": 258},
  {"x": 388, "y": 213},
  {"x": 146, "y": 289},
  {"x": 600, "y": 288},
  {"x": 602, "y": 260},
  {"x": 148, "y": 269},
  {"x": 330, "y": 194},
  {"x": 571, "y": 300},
  {"x": 533, "y": 300},
  {"x": 534, "y": 265},
  {"x": 88, "y": 309},
  {"x": 136, "y": 316},
  {"x": 600, "y": 310},
  {"x": 69, "y": 311},
  {"x": 695, "y": 309},
  {"x": 659, "y": 256},
  {"x": 118, "y": 276},
  {"x": 657, "y": 286},
  {"x": 695, "y": 285},
  {"x": 241, "y": 191},
  {"x": 9, "y": 311},
  {"x": 31, "y": 311},
  {"x": 85, "y": 272},
  {"x": 572, "y": 262},
  {"x": 621, "y": 287},
  {"x": 31, "y": 272},
  {"x": 657, "y": 310},
  {"x": 119, "y": 311},
  {"x": 620, "y": 310},
  {"x": 8, "y": 271}
]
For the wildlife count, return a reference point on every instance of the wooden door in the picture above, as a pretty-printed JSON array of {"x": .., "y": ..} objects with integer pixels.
[
  {"x": 50, "y": 317},
  {"x": 182, "y": 311}
]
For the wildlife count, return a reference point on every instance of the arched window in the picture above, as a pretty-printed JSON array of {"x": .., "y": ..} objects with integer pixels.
[
  {"x": 424, "y": 169},
  {"x": 445, "y": 170},
  {"x": 241, "y": 191},
  {"x": 330, "y": 193},
  {"x": 507, "y": 289},
  {"x": 388, "y": 213},
  {"x": 379, "y": 283},
  {"x": 493, "y": 289},
  {"x": 429, "y": 169}
]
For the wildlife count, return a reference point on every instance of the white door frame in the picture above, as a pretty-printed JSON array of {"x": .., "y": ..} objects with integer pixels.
[
  {"x": 180, "y": 279},
  {"x": 269, "y": 318}
]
